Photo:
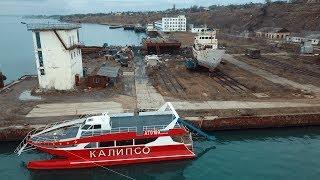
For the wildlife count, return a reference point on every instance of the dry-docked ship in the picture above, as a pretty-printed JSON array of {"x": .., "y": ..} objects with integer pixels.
[
  {"x": 107, "y": 140},
  {"x": 205, "y": 51}
]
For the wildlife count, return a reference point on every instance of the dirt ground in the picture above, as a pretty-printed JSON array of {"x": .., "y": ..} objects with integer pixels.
[
  {"x": 237, "y": 45},
  {"x": 226, "y": 82},
  {"x": 186, "y": 38},
  {"x": 229, "y": 82},
  {"x": 301, "y": 69},
  {"x": 14, "y": 110},
  {"x": 175, "y": 83}
]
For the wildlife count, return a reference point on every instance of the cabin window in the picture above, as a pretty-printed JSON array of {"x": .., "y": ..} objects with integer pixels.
[
  {"x": 38, "y": 40},
  {"x": 86, "y": 127},
  {"x": 107, "y": 144},
  {"x": 42, "y": 72},
  {"x": 97, "y": 126},
  {"x": 91, "y": 145},
  {"x": 144, "y": 141},
  {"x": 124, "y": 143},
  {"x": 40, "y": 57}
]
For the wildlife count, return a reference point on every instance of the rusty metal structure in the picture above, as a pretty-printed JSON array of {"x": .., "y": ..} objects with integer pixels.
[
  {"x": 92, "y": 49},
  {"x": 160, "y": 46}
]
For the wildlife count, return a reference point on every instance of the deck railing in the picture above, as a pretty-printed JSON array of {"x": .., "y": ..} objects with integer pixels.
[
  {"x": 90, "y": 133},
  {"x": 158, "y": 127},
  {"x": 24, "y": 143}
]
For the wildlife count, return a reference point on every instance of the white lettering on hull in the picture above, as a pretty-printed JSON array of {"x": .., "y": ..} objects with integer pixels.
[
  {"x": 152, "y": 132},
  {"x": 119, "y": 152},
  {"x": 101, "y": 153},
  {"x": 92, "y": 154}
]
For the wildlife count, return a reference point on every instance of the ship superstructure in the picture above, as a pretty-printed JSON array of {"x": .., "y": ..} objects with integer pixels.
[{"x": 205, "y": 49}]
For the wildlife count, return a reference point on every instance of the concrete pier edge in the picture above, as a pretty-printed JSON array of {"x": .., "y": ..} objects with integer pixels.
[{"x": 18, "y": 132}]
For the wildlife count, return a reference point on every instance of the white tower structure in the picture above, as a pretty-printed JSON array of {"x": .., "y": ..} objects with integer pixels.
[{"x": 58, "y": 57}]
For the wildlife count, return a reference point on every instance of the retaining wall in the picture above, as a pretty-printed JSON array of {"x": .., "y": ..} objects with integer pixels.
[{"x": 17, "y": 133}]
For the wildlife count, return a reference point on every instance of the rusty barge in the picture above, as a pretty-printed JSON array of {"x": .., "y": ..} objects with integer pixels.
[{"x": 160, "y": 46}]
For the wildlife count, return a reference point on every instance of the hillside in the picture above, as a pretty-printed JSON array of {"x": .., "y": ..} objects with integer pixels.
[{"x": 294, "y": 17}]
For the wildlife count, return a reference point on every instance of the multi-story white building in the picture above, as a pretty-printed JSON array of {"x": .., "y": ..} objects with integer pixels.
[
  {"x": 171, "y": 24},
  {"x": 58, "y": 58}
]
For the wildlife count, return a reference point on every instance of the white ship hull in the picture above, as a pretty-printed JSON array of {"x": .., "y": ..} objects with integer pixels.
[{"x": 209, "y": 58}]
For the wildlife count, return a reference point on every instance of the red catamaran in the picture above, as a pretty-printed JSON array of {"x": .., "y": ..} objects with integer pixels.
[{"x": 107, "y": 140}]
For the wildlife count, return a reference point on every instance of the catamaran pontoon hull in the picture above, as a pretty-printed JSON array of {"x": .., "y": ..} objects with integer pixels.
[{"x": 111, "y": 157}]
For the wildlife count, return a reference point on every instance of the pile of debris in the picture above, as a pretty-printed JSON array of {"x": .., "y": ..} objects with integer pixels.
[{"x": 123, "y": 56}]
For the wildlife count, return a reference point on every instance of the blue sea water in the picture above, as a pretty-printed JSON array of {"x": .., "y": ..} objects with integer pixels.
[
  {"x": 16, "y": 46},
  {"x": 277, "y": 154}
]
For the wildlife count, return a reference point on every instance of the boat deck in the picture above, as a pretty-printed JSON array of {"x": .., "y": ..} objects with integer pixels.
[
  {"x": 141, "y": 121},
  {"x": 118, "y": 124},
  {"x": 61, "y": 133}
]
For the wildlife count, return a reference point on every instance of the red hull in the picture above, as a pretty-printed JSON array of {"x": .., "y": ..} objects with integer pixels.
[
  {"x": 68, "y": 164},
  {"x": 85, "y": 159},
  {"x": 112, "y": 137}
]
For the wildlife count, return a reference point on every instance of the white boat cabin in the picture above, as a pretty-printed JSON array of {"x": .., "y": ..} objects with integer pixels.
[
  {"x": 206, "y": 40},
  {"x": 95, "y": 123}
]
